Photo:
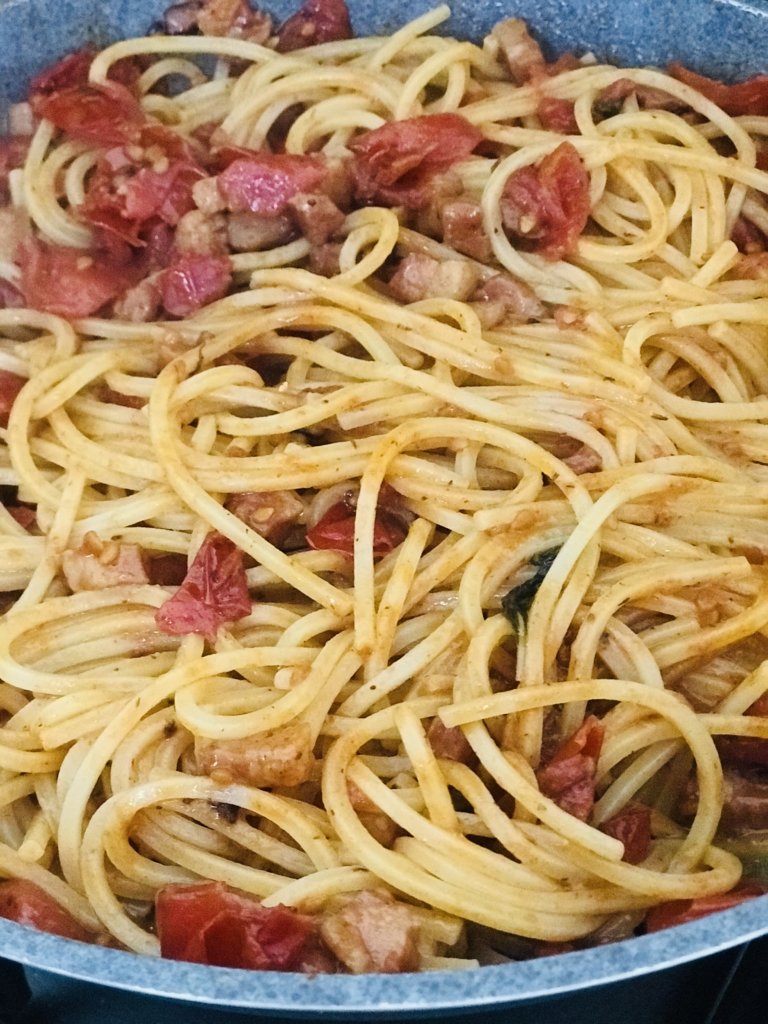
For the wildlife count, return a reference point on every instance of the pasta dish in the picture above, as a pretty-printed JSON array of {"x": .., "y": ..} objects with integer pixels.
[{"x": 384, "y": 539}]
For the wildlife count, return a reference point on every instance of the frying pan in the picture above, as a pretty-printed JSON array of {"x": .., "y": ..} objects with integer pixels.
[{"x": 724, "y": 38}]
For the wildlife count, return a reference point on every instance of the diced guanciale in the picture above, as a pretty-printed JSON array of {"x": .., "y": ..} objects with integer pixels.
[
  {"x": 264, "y": 182},
  {"x": 201, "y": 234},
  {"x": 282, "y": 757},
  {"x": 96, "y": 565},
  {"x": 421, "y": 277},
  {"x": 746, "y": 751},
  {"x": 463, "y": 230},
  {"x": 503, "y": 298},
  {"x": 371, "y": 932},
  {"x": 449, "y": 742},
  {"x": 611, "y": 100},
  {"x": 252, "y": 232},
  {"x": 545, "y": 206},
  {"x": 272, "y": 514},
  {"x": 316, "y": 215}
]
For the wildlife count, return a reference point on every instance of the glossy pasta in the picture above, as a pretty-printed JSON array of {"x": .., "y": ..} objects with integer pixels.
[{"x": 649, "y": 355}]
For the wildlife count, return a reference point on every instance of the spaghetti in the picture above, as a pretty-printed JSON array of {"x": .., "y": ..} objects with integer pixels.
[{"x": 397, "y": 558}]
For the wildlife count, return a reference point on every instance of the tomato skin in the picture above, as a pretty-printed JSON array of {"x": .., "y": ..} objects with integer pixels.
[
  {"x": 667, "y": 915},
  {"x": 748, "y": 97},
  {"x": 214, "y": 592},
  {"x": 208, "y": 923},
  {"x": 394, "y": 164},
  {"x": 632, "y": 827},
  {"x": 29, "y": 904},
  {"x": 103, "y": 114},
  {"x": 545, "y": 206},
  {"x": 569, "y": 776}
]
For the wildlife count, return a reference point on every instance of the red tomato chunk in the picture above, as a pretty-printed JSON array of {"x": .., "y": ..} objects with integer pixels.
[
  {"x": 665, "y": 915},
  {"x": 192, "y": 281},
  {"x": 214, "y": 592},
  {"x": 335, "y": 531},
  {"x": 208, "y": 923}
]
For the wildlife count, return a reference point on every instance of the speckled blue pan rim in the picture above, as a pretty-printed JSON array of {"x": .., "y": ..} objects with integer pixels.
[{"x": 387, "y": 996}]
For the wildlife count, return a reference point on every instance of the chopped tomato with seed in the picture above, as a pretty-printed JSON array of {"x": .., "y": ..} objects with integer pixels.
[
  {"x": 545, "y": 206},
  {"x": 70, "y": 70},
  {"x": 136, "y": 188},
  {"x": 103, "y": 115},
  {"x": 317, "y": 21},
  {"x": 335, "y": 531}
]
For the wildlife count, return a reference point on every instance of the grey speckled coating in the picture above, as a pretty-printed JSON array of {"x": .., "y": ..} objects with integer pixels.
[{"x": 728, "y": 38}]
